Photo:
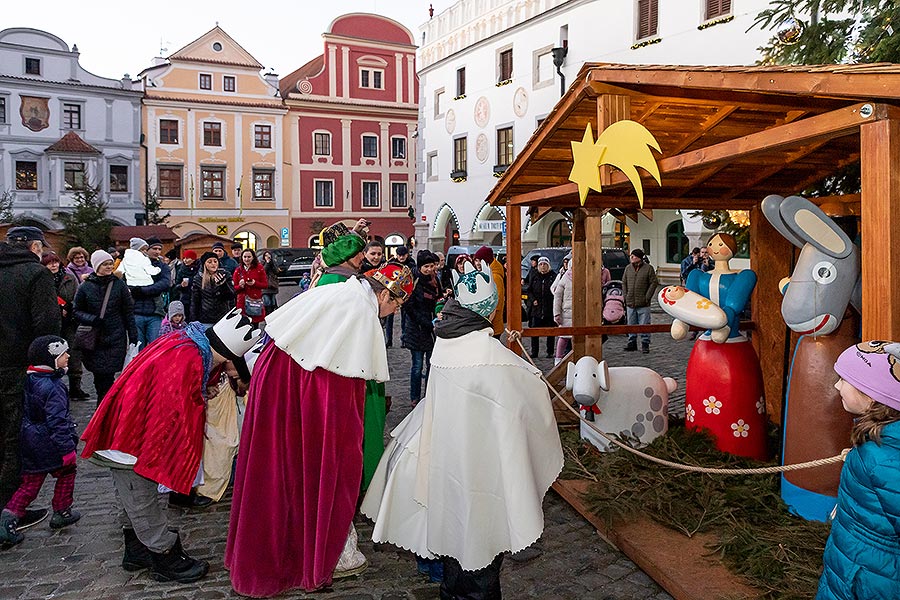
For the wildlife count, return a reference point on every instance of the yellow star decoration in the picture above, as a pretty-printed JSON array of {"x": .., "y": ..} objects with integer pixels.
[
  {"x": 586, "y": 168},
  {"x": 625, "y": 145}
]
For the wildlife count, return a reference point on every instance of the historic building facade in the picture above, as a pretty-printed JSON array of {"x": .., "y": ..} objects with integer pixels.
[
  {"x": 62, "y": 129},
  {"x": 213, "y": 129},
  {"x": 489, "y": 72},
  {"x": 351, "y": 131}
]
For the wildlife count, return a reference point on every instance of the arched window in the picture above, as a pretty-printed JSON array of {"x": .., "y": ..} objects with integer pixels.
[
  {"x": 621, "y": 236},
  {"x": 246, "y": 239},
  {"x": 561, "y": 233},
  {"x": 676, "y": 242}
]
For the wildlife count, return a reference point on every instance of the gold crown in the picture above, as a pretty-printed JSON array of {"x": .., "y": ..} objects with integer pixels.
[{"x": 397, "y": 279}]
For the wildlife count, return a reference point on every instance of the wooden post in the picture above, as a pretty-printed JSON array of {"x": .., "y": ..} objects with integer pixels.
[
  {"x": 770, "y": 257},
  {"x": 880, "y": 205},
  {"x": 593, "y": 266},
  {"x": 579, "y": 281},
  {"x": 514, "y": 270}
]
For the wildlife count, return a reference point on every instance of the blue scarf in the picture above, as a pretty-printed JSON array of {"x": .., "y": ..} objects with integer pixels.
[{"x": 196, "y": 332}]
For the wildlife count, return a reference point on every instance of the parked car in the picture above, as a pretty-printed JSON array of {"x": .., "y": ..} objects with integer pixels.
[
  {"x": 284, "y": 259},
  {"x": 302, "y": 264},
  {"x": 614, "y": 259},
  {"x": 454, "y": 251}
]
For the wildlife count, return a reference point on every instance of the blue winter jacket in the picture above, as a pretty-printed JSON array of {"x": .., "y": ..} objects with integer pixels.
[
  {"x": 48, "y": 432},
  {"x": 862, "y": 556}
]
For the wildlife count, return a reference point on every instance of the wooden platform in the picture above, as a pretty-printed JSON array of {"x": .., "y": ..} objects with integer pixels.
[{"x": 683, "y": 566}]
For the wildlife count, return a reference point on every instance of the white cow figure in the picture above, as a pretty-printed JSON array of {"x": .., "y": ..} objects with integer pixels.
[{"x": 632, "y": 400}]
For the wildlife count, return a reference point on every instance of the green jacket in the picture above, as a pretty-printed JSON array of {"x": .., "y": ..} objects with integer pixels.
[{"x": 639, "y": 286}]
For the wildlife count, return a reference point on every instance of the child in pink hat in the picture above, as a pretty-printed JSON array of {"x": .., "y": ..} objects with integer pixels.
[{"x": 862, "y": 557}]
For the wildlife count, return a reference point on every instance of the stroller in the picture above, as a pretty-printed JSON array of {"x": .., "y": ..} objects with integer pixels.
[{"x": 613, "y": 304}]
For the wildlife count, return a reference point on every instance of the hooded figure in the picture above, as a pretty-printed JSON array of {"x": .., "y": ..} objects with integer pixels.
[{"x": 465, "y": 473}]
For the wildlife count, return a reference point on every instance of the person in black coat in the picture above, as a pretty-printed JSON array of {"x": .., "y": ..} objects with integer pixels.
[
  {"x": 29, "y": 311},
  {"x": 116, "y": 328},
  {"x": 418, "y": 334},
  {"x": 540, "y": 303},
  {"x": 184, "y": 276},
  {"x": 212, "y": 294}
]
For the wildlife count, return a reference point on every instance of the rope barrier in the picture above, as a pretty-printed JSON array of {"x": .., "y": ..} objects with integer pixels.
[{"x": 516, "y": 336}]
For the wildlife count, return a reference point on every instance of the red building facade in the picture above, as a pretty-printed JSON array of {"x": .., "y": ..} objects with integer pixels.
[{"x": 350, "y": 130}]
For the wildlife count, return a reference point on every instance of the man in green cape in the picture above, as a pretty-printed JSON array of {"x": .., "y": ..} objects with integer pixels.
[{"x": 342, "y": 254}]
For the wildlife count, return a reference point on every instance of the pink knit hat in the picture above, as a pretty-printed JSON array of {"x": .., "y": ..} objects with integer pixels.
[{"x": 874, "y": 369}]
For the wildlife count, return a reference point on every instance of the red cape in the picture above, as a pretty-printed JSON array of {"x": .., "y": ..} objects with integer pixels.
[
  {"x": 155, "y": 411},
  {"x": 297, "y": 478}
]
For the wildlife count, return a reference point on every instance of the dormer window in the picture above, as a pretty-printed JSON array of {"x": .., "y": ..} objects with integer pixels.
[{"x": 32, "y": 66}]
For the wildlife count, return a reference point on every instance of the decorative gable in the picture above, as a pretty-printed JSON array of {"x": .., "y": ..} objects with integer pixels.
[{"x": 216, "y": 46}]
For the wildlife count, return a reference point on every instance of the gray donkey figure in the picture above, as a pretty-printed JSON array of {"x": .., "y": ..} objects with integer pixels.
[{"x": 826, "y": 279}]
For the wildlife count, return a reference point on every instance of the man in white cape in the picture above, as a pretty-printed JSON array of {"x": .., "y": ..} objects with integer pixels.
[{"x": 465, "y": 473}]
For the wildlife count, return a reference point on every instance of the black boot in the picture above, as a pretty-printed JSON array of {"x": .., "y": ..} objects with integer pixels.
[
  {"x": 645, "y": 348},
  {"x": 175, "y": 565},
  {"x": 137, "y": 555},
  {"x": 631, "y": 346}
]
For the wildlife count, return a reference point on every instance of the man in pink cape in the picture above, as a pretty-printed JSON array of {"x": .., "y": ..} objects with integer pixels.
[{"x": 300, "y": 460}]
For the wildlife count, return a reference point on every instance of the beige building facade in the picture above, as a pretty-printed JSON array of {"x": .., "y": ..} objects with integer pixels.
[{"x": 214, "y": 144}]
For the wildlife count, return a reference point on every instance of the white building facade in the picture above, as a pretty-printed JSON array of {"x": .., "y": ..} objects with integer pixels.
[
  {"x": 63, "y": 128},
  {"x": 487, "y": 78}
]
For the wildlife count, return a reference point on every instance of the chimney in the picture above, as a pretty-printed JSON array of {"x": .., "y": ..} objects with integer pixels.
[{"x": 272, "y": 79}]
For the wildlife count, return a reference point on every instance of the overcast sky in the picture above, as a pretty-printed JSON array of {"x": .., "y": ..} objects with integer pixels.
[{"x": 115, "y": 38}]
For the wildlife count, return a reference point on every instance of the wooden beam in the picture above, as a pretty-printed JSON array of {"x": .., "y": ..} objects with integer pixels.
[
  {"x": 771, "y": 256},
  {"x": 880, "y": 148},
  {"x": 539, "y": 212},
  {"x": 628, "y": 203},
  {"x": 828, "y": 125},
  {"x": 514, "y": 271},
  {"x": 761, "y": 175},
  {"x": 610, "y": 108},
  {"x": 615, "y": 329},
  {"x": 805, "y": 83},
  {"x": 703, "y": 128}
]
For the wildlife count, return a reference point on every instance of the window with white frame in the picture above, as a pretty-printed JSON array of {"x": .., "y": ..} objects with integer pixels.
[
  {"x": 168, "y": 131},
  {"x": 398, "y": 195},
  {"x": 71, "y": 115},
  {"x": 324, "y": 189},
  {"x": 26, "y": 175},
  {"x": 118, "y": 178},
  {"x": 398, "y": 147},
  {"x": 2, "y": 110},
  {"x": 205, "y": 81},
  {"x": 32, "y": 66},
  {"x": 504, "y": 65},
  {"x": 438, "y": 100},
  {"x": 371, "y": 78},
  {"x": 542, "y": 67},
  {"x": 370, "y": 146},
  {"x": 262, "y": 136},
  {"x": 228, "y": 83},
  {"x": 262, "y": 184},
  {"x": 647, "y": 18},
  {"x": 504, "y": 146},
  {"x": 322, "y": 143},
  {"x": 717, "y": 8},
  {"x": 74, "y": 176},
  {"x": 169, "y": 179},
  {"x": 212, "y": 133},
  {"x": 213, "y": 179},
  {"x": 431, "y": 166},
  {"x": 370, "y": 194},
  {"x": 460, "y": 157}
]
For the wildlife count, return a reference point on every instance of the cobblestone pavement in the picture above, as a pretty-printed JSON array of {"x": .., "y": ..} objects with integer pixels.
[{"x": 82, "y": 562}]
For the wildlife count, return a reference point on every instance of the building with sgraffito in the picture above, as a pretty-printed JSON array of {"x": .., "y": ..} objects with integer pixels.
[
  {"x": 213, "y": 130},
  {"x": 63, "y": 128}
]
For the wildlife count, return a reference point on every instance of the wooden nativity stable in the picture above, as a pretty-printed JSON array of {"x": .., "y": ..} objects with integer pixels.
[{"x": 729, "y": 137}]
